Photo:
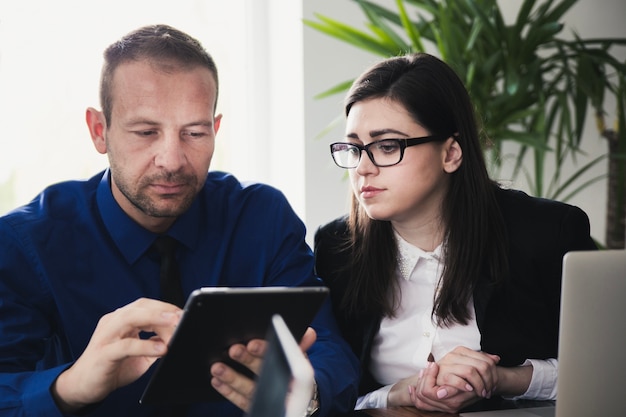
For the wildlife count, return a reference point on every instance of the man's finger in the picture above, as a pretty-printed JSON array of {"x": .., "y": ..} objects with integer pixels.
[{"x": 235, "y": 387}]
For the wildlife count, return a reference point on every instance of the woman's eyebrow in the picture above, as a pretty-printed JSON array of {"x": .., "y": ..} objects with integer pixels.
[
  {"x": 381, "y": 132},
  {"x": 377, "y": 133}
]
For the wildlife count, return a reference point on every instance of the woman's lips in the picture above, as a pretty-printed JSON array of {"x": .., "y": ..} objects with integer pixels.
[{"x": 369, "y": 191}]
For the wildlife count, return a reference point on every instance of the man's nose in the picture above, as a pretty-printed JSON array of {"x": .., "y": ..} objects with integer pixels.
[{"x": 170, "y": 152}]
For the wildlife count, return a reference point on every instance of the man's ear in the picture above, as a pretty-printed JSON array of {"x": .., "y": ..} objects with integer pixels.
[
  {"x": 97, "y": 126},
  {"x": 453, "y": 155},
  {"x": 217, "y": 120}
]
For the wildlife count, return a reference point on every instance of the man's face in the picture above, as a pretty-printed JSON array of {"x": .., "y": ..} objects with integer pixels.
[{"x": 160, "y": 141}]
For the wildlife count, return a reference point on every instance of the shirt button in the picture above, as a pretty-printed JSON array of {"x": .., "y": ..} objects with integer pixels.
[{"x": 426, "y": 334}]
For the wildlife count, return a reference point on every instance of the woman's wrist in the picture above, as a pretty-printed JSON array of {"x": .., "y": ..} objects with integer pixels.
[{"x": 513, "y": 381}]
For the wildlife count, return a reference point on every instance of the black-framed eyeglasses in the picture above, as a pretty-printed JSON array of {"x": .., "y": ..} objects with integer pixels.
[{"x": 382, "y": 153}]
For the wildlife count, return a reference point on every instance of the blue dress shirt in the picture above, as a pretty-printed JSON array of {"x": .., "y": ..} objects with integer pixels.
[{"x": 72, "y": 255}]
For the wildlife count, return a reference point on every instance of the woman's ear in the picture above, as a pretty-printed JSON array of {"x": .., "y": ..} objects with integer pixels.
[
  {"x": 453, "y": 155},
  {"x": 97, "y": 126}
]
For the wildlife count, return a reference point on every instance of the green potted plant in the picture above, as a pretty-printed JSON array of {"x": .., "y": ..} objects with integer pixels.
[{"x": 530, "y": 86}]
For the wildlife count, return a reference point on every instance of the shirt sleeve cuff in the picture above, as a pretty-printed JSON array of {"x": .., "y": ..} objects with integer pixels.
[
  {"x": 543, "y": 381},
  {"x": 38, "y": 399},
  {"x": 374, "y": 399}
]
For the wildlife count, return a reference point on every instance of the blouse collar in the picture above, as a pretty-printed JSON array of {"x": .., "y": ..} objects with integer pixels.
[{"x": 409, "y": 255}]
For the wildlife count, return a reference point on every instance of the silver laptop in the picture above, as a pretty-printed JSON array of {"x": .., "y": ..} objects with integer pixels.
[
  {"x": 286, "y": 379},
  {"x": 592, "y": 363}
]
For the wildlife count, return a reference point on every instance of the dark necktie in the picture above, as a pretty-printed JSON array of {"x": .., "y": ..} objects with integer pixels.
[{"x": 171, "y": 290}]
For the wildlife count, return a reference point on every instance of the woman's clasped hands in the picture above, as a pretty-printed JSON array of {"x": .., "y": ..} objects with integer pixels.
[{"x": 460, "y": 378}]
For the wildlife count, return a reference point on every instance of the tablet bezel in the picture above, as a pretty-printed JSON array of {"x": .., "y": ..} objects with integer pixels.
[{"x": 214, "y": 319}]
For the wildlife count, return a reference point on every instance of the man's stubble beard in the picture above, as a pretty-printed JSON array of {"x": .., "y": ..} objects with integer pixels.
[
  {"x": 146, "y": 204},
  {"x": 140, "y": 199}
]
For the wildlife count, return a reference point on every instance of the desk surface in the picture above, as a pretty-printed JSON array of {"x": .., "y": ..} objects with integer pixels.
[
  {"x": 399, "y": 412},
  {"x": 493, "y": 404}
]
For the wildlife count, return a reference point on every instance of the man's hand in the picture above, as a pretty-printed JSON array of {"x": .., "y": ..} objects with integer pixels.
[
  {"x": 238, "y": 388},
  {"x": 116, "y": 355}
]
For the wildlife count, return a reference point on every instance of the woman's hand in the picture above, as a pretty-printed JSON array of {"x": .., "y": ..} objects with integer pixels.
[
  {"x": 460, "y": 378},
  {"x": 399, "y": 394},
  {"x": 404, "y": 392},
  {"x": 469, "y": 370},
  {"x": 428, "y": 395}
]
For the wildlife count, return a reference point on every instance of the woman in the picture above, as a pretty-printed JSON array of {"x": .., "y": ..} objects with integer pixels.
[{"x": 446, "y": 285}]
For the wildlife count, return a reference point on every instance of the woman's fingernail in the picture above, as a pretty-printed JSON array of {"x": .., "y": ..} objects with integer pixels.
[
  {"x": 484, "y": 393},
  {"x": 442, "y": 393},
  {"x": 469, "y": 387}
]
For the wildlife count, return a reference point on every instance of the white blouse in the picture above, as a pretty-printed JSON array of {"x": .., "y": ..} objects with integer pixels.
[{"x": 404, "y": 343}]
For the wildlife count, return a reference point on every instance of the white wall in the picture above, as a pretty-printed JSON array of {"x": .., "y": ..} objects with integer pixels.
[
  {"x": 271, "y": 66},
  {"x": 50, "y": 58},
  {"x": 328, "y": 61}
]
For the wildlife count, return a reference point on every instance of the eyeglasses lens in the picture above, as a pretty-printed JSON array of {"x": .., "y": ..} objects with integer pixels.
[{"x": 383, "y": 152}]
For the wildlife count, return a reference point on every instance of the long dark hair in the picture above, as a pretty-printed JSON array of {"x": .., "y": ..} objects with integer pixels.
[{"x": 474, "y": 236}]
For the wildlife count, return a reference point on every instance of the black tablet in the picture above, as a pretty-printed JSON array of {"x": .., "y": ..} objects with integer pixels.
[{"x": 214, "y": 319}]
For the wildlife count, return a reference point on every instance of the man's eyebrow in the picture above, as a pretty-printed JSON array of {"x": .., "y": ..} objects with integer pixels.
[
  {"x": 134, "y": 122},
  {"x": 202, "y": 123},
  {"x": 148, "y": 122}
]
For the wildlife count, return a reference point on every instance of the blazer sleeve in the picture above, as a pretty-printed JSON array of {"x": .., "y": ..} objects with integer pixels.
[{"x": 519, "y": 319}]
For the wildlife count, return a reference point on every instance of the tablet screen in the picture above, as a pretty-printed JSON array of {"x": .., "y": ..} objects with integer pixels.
[{"x": 214, "y": 319}]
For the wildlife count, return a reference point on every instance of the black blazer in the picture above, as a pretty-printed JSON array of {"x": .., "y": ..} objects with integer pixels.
[{"x": 519, "y": 319}]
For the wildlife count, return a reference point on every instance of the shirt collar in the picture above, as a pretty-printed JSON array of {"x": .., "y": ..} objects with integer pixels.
[
  {"x": 131, "y": 238},
  {"x": 409, "y": 256}
]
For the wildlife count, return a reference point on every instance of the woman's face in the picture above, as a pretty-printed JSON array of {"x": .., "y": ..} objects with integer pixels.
[{"x": 411, "y": 191}]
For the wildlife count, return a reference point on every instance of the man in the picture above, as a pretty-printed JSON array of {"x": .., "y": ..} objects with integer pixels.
[{"x": 79, "y": 279}]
